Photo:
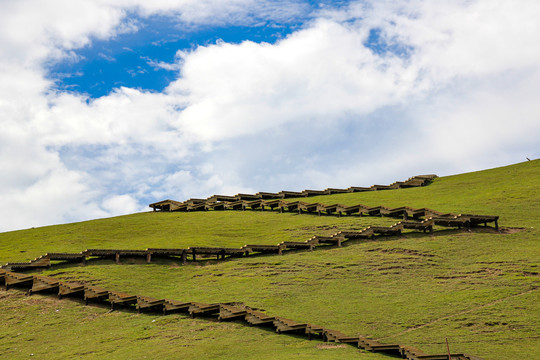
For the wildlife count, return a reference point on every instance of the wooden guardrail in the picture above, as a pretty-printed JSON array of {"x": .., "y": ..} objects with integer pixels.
[
  {"x": 199, "y": 204},
  {"x": 425, "y": 225},
  {"x": 262, "y": 201},
  {"x": 239, "y": 311},
  {"x": 300, "y": 207},
  {"x": 222, "y": 311}
]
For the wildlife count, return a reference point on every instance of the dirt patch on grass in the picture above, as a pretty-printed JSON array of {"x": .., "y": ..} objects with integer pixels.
[
  {"x": 43, "y": 301},
  {"x": 10, "y": 295},
  {"x": 529, "y": 273},
  {"x": 451, "y": 277},
  {"x": 511, "y": 230},
  {"x": 402, "y": 251},
  {"x": 472, "y": 274}
]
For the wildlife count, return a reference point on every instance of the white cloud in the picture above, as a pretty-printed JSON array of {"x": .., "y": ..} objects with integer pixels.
[
  {"x": 107, "y": 57},
  {"x": 34, "y": 31},
  {"x": 476, "y": 55},
  {"x": 487, "y": 124},
  {"x": 469, "y": 38},
  {"x": 218, "y": 12},
  {"x": 315, "y": 109},
  {"x": 121, "y": 204},
  {"x": 320, "y": 72},
  {"x": 164, "y": 65}
]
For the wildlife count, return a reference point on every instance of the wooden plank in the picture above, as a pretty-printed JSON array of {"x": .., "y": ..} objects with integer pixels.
[
  {"x": 290, "y": 194},
  {"x": 288, "y": 325},
  {"x": 334, "y": 336},
  {"x": 216, "y": 250},
  {"x": 16, "y": 279},
  {"x": 175, "y": 306},
  {"x": 396, "y": 185},
  {"x": 215, "y": 206},
  {"x": 380, "y": 187},
  {"x": 236, "y": 205},
  {"x": 203, "y": 309},
  {"x": 2, "y": 276},
  {"x": 255, "y": 317},
  {"x": 328, "y": 209},
  {"x": 65, "y": 256},
  {"x": 265, "y": 248},
  {"x": 373, "y": 211},
  {"x": 255, "y": 204},
  {"x": 303, "y": 206},
  {"x": 383, "y": 230},
  {"x": 358, "y": 189},
  {"x": 425, "y": 212},
  {"x": 194, "y": 201},
  {"x": 165, "y": 252},
  {"x": 272, "y": 204},
  {"x": 249, "y": 197},
  {"x": 70, "y": 288},
  {"x": 334, "y": 240},
  {"x": 119, "y": 298},
  {"x": 40, "y": 262},
  {"x": 220, "y": 198},
  {"x": 267, "y": 195},
  {"x": 290, "y": 206},
  {"x": 167, "y": 205},
  {"x": 95, "y": 293},
  {"x": 145, "y": 303},
  {"x": 315, "y": 330},
  {"x": 197, "y": 207},
  {"x": 231, "y": 312},
  {"x": 367, "y": 232},
  {"x": 331, "y": 191},
  {"x": 313, "y": 192},
  {"x": 297, "y": 245},
  {"x": 349, "y": 210},
  {"x": 43, "y": 283},
  {"x": 395, "y": 212}
]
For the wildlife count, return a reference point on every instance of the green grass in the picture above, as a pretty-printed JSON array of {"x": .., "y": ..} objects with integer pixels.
[
  {"x": 476, "y": 289},
  {"x": 512, "y": 192},
  {"x": 42, "y": 327},
  {"x": 175, "y": 230}
]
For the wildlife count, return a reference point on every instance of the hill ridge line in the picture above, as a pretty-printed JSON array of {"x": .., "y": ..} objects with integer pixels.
[
  {"x": 239, "y": 311},
  {"x": 226, "y": 311}
]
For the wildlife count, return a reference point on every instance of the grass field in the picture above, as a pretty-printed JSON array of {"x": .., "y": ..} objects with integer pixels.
[{"x": 478, "y": 289}]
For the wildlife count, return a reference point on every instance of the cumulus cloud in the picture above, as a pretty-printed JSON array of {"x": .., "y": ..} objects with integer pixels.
[
  {"x": 476, "y": 60},
  {"x": 321, "y": 72},
  {"x": 121, "y": 204},
  {"x": 33, "y": 30},
  {"x": 448, "y": 87}
]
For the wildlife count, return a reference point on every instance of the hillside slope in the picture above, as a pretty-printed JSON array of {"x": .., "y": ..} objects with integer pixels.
[{"x": 477, "y": 289}]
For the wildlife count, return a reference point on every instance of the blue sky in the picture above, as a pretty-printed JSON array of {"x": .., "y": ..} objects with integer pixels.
[
  {"x": 108, "y": 106},
  {"x": 130, "y": 59}
]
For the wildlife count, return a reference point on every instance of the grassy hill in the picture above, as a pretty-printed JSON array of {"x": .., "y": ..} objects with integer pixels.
[{"x": 479, "y": 289}]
